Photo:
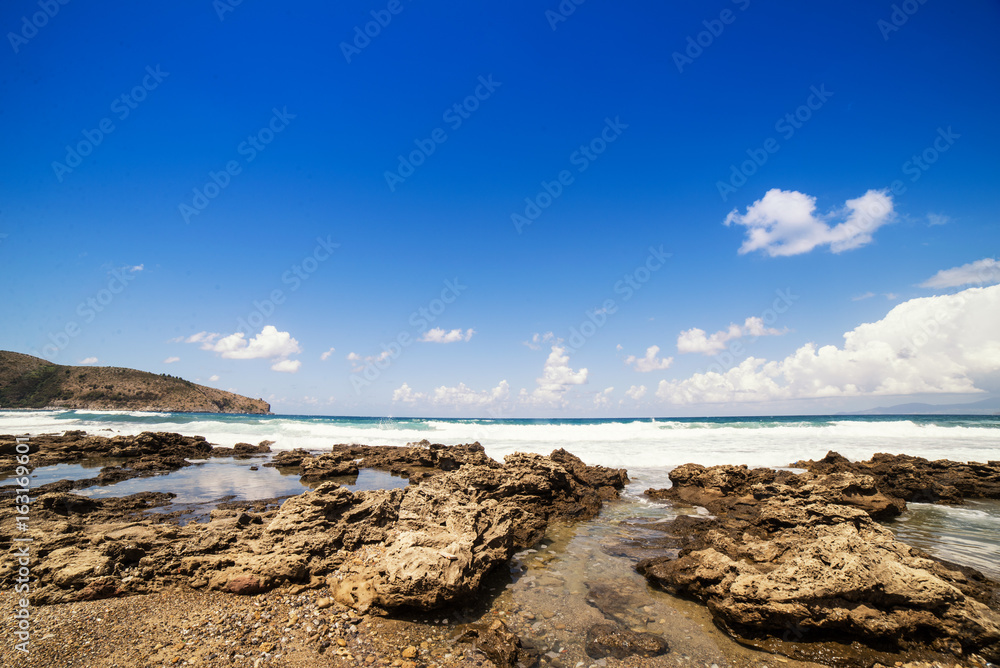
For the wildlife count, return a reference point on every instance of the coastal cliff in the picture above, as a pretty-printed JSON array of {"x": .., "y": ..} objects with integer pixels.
[{"x": 30, "y": 382}]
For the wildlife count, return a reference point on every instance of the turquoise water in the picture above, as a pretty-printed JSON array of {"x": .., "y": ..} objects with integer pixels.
[{"x": 651, "y": 443}]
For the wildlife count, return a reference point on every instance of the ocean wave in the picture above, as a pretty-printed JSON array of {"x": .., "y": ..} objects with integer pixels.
[{"x": 628, "y": 443}]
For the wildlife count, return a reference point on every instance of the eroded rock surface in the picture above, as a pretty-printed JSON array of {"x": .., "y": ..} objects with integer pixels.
[
  {"x": 426, "y": 546},
  {"x": 918, "y": 479},
  {"x": 784, "y": 552}
]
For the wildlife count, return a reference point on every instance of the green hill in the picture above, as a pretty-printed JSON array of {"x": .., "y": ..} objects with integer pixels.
[{"x": 30, "y": 382}]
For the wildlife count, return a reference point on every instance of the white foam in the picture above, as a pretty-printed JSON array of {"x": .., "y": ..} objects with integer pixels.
[{"x": 632, "y": 444}]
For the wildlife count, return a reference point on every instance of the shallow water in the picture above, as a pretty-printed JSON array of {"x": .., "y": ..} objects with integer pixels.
[
  {"x": 226, "y": 477},
  {"x": 967, "y": 534},
  {"x": 579, "y": 576},
  {"x": 43, "y": 475}
]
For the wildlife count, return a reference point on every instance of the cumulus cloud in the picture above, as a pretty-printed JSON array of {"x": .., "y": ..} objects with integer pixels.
[
  {"x": 697, "y": 341},
  {"x": 980, "y": 272},
  {"x": 268, "y": 344},
  {"x": 463, "y": 396},
  {"x": 171, "y": 360},
  {"x": 650, "y": 362},
  {"x": 406, "y": 395},
  {"x": 941, "y": 344},
  {"x": 213, "y": 378},
  {"x": 286, "y": 366},
  {"x": 88, "y": 360},
  {"x": 785, "y": 222},
  {"x": 636, "y": 392},
  {"x": 937, "y": 219},
  {"x": 325, "y": 356},
  {"x": 603, "y": 398},
  {"x": 537, "y": 340},
  {"x": 438, "y": 335},
  {"x": 557, "y": 378}
]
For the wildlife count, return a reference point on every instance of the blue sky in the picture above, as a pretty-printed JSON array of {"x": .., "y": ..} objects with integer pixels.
[{"x": 736, "y": 183}]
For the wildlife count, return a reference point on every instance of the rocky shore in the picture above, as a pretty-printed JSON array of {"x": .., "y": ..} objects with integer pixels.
[{"x": 796, "y": 565}]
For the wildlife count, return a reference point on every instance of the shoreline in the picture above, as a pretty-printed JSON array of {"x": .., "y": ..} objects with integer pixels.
[{"x": 433, "y": 471}]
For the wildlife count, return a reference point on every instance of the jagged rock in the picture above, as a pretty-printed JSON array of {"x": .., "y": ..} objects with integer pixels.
[
  {"x": 608, "y": 639},
  {"x": 502, "y": 647},
  {"x": 729, "y": 486},
  {"x": 327, "y": 466},
  {"x": 243, "y": 450},
  {"x": 918, "y": 479},
  {"x": 803, "y": 552},
  {"x": 289, "y": 458},
  {"x": 424, "y": 546},
  {"x": 416, "y": 460}
]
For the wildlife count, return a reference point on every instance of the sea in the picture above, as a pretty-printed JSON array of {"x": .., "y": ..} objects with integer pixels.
[{"x": 647, "y": 447}]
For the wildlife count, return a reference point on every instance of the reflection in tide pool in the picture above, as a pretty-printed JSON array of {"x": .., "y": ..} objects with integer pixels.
[
  {"x": 968, "y": 535},
  {"x": 43, "y": 475},
  {"x": 233, "y": 479}
]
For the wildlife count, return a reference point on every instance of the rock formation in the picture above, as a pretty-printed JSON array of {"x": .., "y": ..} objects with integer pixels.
[
  {"x": 800, "y": 558},
  {"x": 918, "y": 479},
  {"x": 426, "y": 546}
]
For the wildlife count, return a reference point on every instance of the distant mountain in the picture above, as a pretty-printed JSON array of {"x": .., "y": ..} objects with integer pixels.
[
  {"x": 30, "y": 382},
  {"x": 989, "y": 406}
]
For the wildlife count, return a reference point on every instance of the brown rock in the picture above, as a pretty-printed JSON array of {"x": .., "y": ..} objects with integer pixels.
[
  {"x": 917, "y": 479},
  {"x": 803, "y": 552},
  {"x": 502, "y": 647},
  {"x": 244, "y": 585},
  {"x": 607, "y": 639}
]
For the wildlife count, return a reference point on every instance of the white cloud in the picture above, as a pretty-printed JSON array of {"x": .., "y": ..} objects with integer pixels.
[
  {"x": 88, "y": 360},
  {"x": 557, "y": 378},
  {"x": 286, "y": 366},
  {"x": 268, "y": 344},
  {"x": 650, "y": 362},
  {"x": 980, "y": 272},
  {"x": 536, "y": 340},
  {"x": 138, "y": 267},
  {"x": 697, "y": 341},
  {"x": 463, "y": 396},
  {"x": 438, "y": 335},
  {"x": 171, "y": 360},
  {"x": 201, "y": 337},
  {"x": 405, "y": 394},
  {"x": 325, "y": 356},
  {"x": 937, "y": 219},
  {"x": 867, "y": 295},
  {"x": 604, "y": 397},
  {"x": 636, "y": 392},
  {"x": 784, "y": 222},
  {"x": 941, "y": 344},
  {"x": 213, "y": 378}
]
